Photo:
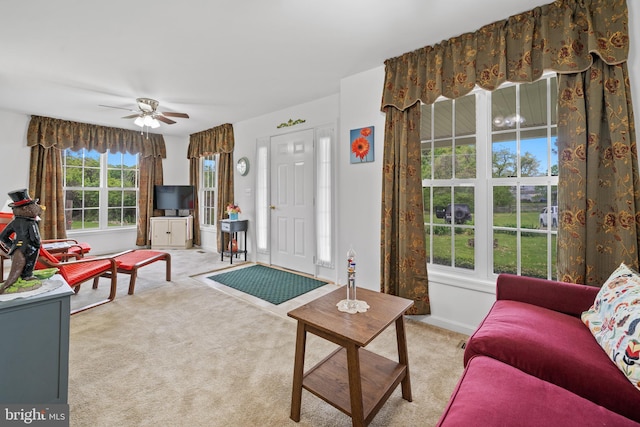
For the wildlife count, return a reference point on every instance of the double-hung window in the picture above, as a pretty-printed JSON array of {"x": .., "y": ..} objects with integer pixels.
[
  {"x": 489, "y": 174},
  {"x": 100, "y": 190},
  {"x": 208, "y": 189}
]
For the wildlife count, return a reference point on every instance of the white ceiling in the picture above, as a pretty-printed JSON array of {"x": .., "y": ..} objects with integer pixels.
[{"x": 218, "y": 61}]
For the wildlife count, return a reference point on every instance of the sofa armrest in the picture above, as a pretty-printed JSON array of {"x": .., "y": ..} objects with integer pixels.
[{"x": 568, "y": 298}]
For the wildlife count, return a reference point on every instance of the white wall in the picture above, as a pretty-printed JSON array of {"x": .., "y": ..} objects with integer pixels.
[
  {"x": 175, "y": 168},
  {"x": 360, "y": 184},
  {"x": 13, "y": 142}
]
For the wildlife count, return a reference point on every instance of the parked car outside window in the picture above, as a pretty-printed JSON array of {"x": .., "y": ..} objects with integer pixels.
[{"x": 460, "y": 212}]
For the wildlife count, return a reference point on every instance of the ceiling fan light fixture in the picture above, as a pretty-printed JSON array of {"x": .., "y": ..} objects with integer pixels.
[
  {"x": 139, "y": 121},
  {"x": 150, "y": 121}
]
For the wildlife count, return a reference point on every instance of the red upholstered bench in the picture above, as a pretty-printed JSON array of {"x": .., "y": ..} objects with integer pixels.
[{"x": 130, "y": 261}]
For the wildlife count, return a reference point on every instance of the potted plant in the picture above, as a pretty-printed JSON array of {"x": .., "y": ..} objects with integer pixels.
[{"x": 233, "y": 210}]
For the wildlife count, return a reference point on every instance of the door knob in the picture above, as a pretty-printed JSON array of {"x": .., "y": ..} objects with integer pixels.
[{"x": 272, "y": 207}]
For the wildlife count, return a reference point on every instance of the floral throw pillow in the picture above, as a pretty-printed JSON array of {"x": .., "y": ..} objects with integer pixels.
[{"x": 614, "y": 321}]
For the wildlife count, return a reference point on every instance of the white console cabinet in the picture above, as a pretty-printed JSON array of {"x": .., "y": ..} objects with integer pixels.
[{"x": 171, "y": 232}]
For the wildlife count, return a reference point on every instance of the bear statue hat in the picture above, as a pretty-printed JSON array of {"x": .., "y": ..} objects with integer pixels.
[{"x": 20, "y": 198}]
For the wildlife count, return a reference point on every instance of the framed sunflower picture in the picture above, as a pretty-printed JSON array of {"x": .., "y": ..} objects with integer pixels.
[{"x": 361, "y": 145}]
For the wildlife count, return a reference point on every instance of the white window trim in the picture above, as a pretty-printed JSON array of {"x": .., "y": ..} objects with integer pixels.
[
  {"x": 482, "y": 277},
  {"x": 325, "y": 196},
  {"x": 103, "y": 195},
  {"x": 201, "y": 190}
]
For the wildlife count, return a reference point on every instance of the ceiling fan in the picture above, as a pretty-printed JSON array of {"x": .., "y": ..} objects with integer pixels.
[{"x": 148, "y": 114}]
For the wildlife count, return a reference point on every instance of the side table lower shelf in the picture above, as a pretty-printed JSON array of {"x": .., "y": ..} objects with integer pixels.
[
  {"x": 232, "y": 254},
  {"x": 329, "y": 380}
]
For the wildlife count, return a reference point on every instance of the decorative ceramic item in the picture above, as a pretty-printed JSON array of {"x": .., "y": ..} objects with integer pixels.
[
  {"x": 20, "y": 240},
  {"x": 233, "y": 210}
]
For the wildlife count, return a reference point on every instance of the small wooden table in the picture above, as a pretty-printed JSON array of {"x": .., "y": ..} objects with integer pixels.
[
  {"x": 233, "y": 227},
  {"x": 354, "y": 380}
]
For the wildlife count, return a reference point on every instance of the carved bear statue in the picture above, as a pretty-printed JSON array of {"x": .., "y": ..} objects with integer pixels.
[{"x": 24, "y": 246}]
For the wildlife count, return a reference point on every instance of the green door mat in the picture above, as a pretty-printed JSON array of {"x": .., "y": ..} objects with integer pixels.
[{"x": 270, "y": 284}]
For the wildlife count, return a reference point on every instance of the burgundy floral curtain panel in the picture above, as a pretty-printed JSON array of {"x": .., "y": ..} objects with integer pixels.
[
  {"x": 217, "y": 140},
  {"x": 403, "y": 254},
  {"x": 194, "y": 179},
  {"x": 599, "y": 194},
  {"x": 225, "y": 192},
  {"x": 46, "y": 162},
  {"x": 151, "y": 174},
  {"x": 47, "y": 137},
  {"x": 566, "y": 36}
]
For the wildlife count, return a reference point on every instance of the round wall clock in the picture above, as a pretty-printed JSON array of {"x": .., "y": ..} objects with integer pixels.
[{"x": 243, "y": 166}]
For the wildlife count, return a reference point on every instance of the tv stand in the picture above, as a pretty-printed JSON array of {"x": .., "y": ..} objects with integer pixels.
[{"x": 171, "y": 232}]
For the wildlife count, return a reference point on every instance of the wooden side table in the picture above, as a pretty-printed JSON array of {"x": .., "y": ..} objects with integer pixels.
[{"x": 352, "y": 379}]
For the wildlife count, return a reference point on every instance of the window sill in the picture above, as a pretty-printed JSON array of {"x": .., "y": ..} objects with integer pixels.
[{"x": 459, "y": 280}]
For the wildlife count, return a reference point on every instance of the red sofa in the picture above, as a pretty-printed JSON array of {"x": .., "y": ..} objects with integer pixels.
[{"x": 533, "y": 359}]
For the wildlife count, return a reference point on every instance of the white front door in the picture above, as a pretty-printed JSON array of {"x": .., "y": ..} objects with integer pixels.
[{"x": 292, "y": 222}]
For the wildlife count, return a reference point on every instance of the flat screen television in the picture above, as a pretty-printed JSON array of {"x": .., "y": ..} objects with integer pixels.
[{"x": 174, "y": 197}]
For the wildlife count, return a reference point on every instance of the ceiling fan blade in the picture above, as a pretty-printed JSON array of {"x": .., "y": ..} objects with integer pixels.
[
  {"x": 131, "y": 116},
  {"x": 119, "y": 108},
  {"x": 180, "y": 115},
  {"x": 164, "y": 119}
]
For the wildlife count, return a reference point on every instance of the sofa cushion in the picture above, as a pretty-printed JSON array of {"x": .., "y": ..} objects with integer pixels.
[
  {"x": 555, "y": 347},
  {"x": 613, "y": 320},
  {"x": 492, "y": 393}
]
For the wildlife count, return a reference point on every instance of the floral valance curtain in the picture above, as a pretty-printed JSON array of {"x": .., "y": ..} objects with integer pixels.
[
  {"x": 560, "y": 36},
  {"x": 587, "y": 38},
  {"x": 62, "y": 134},
  {"x": 211, "y": 141},
  {"x": 217, "y": 140}
]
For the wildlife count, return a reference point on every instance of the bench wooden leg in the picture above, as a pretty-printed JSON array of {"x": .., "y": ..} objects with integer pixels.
[
  {"x": 132, "y": 280},
  {"x": 114, "y": 286},
  {"x": 167, "y": 260}
]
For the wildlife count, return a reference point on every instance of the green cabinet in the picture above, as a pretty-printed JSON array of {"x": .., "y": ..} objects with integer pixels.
[{"x": 34, "y": 357}]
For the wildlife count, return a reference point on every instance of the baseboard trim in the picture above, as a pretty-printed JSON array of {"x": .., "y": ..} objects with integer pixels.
[{"x": 445, "y": 324}]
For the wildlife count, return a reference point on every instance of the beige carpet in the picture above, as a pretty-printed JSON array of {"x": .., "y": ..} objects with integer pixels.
[{"x": 182, "y": 353}]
